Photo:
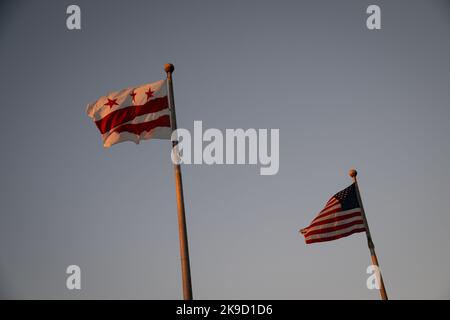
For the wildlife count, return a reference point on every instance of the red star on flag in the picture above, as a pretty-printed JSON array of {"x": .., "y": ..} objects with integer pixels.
[
  {"x": 133, "y": 95},
  {"x": 111, "y": 103},
  {"x": 149, "y": 93}
]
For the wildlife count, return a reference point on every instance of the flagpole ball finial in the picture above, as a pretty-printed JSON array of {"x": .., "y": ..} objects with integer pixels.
[
  {"x": 168, "y": 67},
  {"x": 352, "y": 173}
]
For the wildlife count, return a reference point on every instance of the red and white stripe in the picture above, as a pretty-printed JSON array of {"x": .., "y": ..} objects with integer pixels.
[
  {"x": 333, "y": 223},
  {"x": 133, "y": 114}
]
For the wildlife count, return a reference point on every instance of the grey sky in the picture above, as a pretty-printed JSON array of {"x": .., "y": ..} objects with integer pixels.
[{"x": 341, "y": 95}]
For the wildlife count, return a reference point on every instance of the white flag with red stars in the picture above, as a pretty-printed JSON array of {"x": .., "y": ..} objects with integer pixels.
[{"x": 133, "y": 114}]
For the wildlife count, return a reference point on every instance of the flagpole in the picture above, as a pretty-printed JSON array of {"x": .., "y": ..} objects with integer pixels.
[
  {"x": 182, "y": 230},
  {"x": 353, "y": 173}
]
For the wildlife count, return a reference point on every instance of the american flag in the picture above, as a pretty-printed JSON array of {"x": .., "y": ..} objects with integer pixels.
[{"x": 340, "y": 218}]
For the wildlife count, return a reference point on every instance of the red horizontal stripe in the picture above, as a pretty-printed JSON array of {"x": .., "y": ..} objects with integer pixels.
[
  {"x": 120, "y": 116},
  {"x": 327, "y": 213},
  {"x": 138, "y": 128},
  {"x": 335, "y": 237},
  {"x": 330, "y": 203},
  {"x": 339, "y": 218},
  {"x": 331, "y": 199},
  {"x": 332, "y": 229}
]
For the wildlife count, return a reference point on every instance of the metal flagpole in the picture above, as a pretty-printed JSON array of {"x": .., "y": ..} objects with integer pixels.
[
  {"x": 352, "y": 173},
  {"x": 182, "y": 230}
]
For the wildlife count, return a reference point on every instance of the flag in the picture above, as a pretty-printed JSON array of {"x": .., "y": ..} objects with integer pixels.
[
  {"x": 133, "y": 114},
  {"x": 340, "y": 218}
]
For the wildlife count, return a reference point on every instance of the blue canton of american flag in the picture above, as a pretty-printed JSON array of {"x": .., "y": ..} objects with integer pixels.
[{"x": 340, "y": 218}]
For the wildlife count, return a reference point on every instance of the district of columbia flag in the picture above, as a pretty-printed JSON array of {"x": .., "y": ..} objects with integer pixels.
[
  {"x": 133, "y": 114},
  {"x": 340, "y": 218}
]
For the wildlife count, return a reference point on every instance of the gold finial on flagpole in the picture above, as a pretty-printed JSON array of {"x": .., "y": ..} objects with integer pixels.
[
  {"x": 168, "y": 67},
  {"x": 353, "y": 173}
]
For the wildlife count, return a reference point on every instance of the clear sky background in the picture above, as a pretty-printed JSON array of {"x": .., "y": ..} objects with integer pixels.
[{"x": 341, "y": 95}]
